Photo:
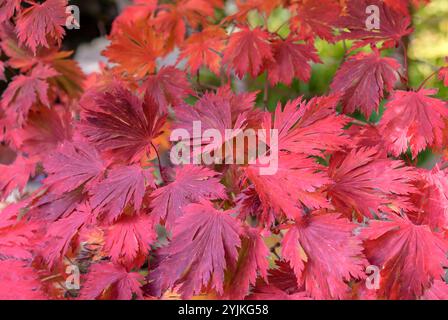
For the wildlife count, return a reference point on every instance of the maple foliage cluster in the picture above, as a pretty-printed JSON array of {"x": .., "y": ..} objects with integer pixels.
[{"x": 347, "y": 194}]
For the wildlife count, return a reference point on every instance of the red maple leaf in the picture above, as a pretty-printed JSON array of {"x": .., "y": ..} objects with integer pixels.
[
  {"x": 23, "y": 279},
  {"x": 203, "y": 49},
  {"x": 135, "y": 48},
  {"x": 16, "y": 175},
  {"x": 410, "y": 256},
  {"x": 51, "y": 207},
  {"x": 137, "y": 11},
  {"x": 25, "y": 90},
  {"x": 43, "y": 131},
  {"x": 69, "y": 72},
  {"x": 246, "y": 6},
  {"x": 308, "y": 127},
  {"x": 438, "y": 291},
  {"x": 324, "y": 254},
  {"x": 106, "y": 276},
  {"x": 123, "y": 186},
  {"x": 294, "y": 185},
  {"x": 249, "y": 204},
  {"x": 241, "y": 103},
  {"x": 128, "y": 240},
  {"x": 365, "y": 182},
  {"x": 119, "y": 123},
  {"x": 252, "y": 261},
  {"x": 171, "y": 19},
  {"x": 367, "y": 135},
  {"x": 280, "y": 285},
  {"x": 393, "y": 25},
  {"x": 403, "y": 6},
  {"x": 60, "y": 235},
  {"x": 73, "y": 165},
  {"x": 443, "y": 75},
  {"x": 7, "y": 9},
  {"x": 41, "y": 21},
  {"x": 430, "y": 199},
  {"x": 17, "y": 235},
  {"x": 413, "y": 118},
  {"x": 290, "y": 60},
  {"x": 170, "y": 22},
  {"x": 216, "y": 111},
  {"x": 204, "y": 245},
  {"x": 315, "y": 18},
  {"x": 168, "y": 87},
  {"x": 190, "y": 184},
  {"x": 247, "y": 51},
  {"x": 362, "y": 79}
]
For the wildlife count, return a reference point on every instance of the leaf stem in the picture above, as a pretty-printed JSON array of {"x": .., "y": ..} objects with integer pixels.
[
  {"x": 405, "y": 61},
  {"x": 266, "y": 92},
  {"x": 443, "y": 166},
  {"x": 159, "y": 162},
  {"x": 427, "y": 78}
]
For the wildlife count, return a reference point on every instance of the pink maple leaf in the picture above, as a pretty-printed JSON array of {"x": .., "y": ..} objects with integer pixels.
[
  {"x": 60, "y": 235},
  {"x": 324, "y": 254},
  {"x": 295, "y": 184},
  {"x": 129, "y": 239},
  {"x": 393, "y": 24},
  {"x": 190, "y": 184},
  {"x": 365, "y": 182},
  {"x": 308, "y": 127},
  {"x": 16, "y": 175},
  {"x": 316, "y": 18},
  {"x": 73, "y": 165},
  {"x": 106, "y": 275},
  {"x": 119, "y": 123},
  {"x": 123, "y": 186},
  {"x": 168, "y": 87},
  {"x": 8, "y": 8},
  {"x": 247, "y": 51},
  {"x": 410, "y": 256},
  {"x": 204, "y": 245},
  {"x": 25, "y": 90},
  {"x": 362, "y": 80},
  {"x": 23, "y": 278},
  {"x": 414, "y": 119},
  {"x": 252, "y": 261},
  {"x": 40, "y": 22},
  {"x": 290, "y": 60}
]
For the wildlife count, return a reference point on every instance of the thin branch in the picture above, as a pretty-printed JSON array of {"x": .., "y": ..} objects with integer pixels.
[
  {"x": 205, "y": 86},
  {"x": 266, "y": 92},
  {"x": 405, "y": 61},
  {"x": 426, "y": 79},
  {"x": 444, "y": 166},
  {"x": 344, "y": 44},
  {"x": 281, "y": 26},
  {"x": 159, "y": 162},
  {"x": 217, "y": 52},
  {"x": 265, "y": 21},
  {"x": 432, "y": 66},
  {"x": 51, "y": 277}
]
